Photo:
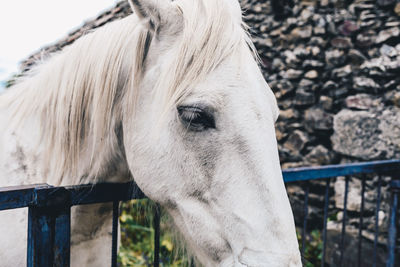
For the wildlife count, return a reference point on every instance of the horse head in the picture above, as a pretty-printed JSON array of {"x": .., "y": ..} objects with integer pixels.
[{"x": 201, "y": 141}]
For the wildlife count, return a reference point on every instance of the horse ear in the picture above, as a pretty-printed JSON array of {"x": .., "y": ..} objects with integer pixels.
[{"x": 154, "y": 12}]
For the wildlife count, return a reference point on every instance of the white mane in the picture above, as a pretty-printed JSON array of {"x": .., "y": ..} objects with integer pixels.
[{"x": 82, "y": 93}]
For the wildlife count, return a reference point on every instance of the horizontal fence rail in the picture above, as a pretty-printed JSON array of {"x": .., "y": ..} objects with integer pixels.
[{"x": 50, "y": 209}]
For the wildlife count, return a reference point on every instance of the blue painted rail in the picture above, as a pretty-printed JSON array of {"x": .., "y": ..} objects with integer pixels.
[{"x": 49, "y": 210}]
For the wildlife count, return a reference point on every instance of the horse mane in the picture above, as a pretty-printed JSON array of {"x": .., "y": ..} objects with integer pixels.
[{"x": 82, "y": 93}]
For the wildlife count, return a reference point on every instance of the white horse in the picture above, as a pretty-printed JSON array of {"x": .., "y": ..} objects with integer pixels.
[{"x": 173, "y": 97}]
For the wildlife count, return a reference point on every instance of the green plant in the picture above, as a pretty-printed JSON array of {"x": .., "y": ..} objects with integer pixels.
[
  {"x": 313, "y": 248},
  {"x": 137, "y": 235}
]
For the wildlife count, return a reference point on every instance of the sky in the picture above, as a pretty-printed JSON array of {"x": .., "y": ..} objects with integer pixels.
[{"x": 26, "y": 26}]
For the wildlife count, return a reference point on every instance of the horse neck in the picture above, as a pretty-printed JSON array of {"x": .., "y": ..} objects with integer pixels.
[
  {"x": 21, "y": 155},
  {"x": 18, "y": 158},
  {"x": 43, "y": 104}
]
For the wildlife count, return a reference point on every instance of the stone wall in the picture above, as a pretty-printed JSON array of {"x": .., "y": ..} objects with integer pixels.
[{"x": 334, "y": 66}]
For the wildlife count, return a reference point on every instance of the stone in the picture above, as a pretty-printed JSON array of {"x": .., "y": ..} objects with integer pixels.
[
  {"x": 257, "y": 8},
  {"x": 365, "y": 84},
  {"x": 317, "y": 40},
  {"x": 266, "y": 42},
  {"x": 318, "y": 20},
  {"x": 377, "y": 64},
  {"x": 353, "y": 196},
  {"x": 317, "y": 119},
  {"x": 276, "y": 32},
  {"x": 284, "y": 87},
  {"x": 335, "y": 57},
  {"x": 331, "y": 27},
  {"x": 385, "y": 35},
  {"x": 388, "y": 50},
  {"x": 385, "y": 3},
  {"x": 390, "y": 130},
  {"x": 300, "y": 33},
  {"x": 367, "y": 15},
  {"x": 360, "y": 6},
  {"x": 370, "y": 24},
  {"x": 393, "y": 97},
  {"x": 342, "y": 72},
  {"x": 329, "y": 85},
  {"x": 360, "y": 102},
  {"x": 290, "y": 57},
  {"x": 312, "y": 74},
  {"x": 390, "y": 85},
  {"x": 393, "y": 66},
  {"x": 285, "y": 104},
  {"x": 293, "y": 74},
  {"x": 338, "y": 93},
  {"x": 324, "y": 3},
  {"x": 340, "y": 42},
  {"x": 306, "y": 14},
  {"x": 301, "y": 52},
  {"x": 366, "y": 39},
  {"x": 348, "y": 28},
  {"x": 319, "y": 30},
  {"x": 315, "y": 50},
  {"x": 289, "y": 165},
  {"x": 288, "y": 114},
  {"x": 306, "y": 84},
  {"x": 310, "y": 63},
  {"x": 356, "y": 57},
  {"x": 320, "y": 155},
  {"x": 397, "y": 9},
  {"x": 296, "y": 141},
  {"x": 368, "y": 134},
  {"x": 304, "y": 98},
  {"x": 326, "y": 102},
  {"x": 277, "y": 64},
  {"x": 280, "y": 131},
  {"x": 390, "y": 24}
]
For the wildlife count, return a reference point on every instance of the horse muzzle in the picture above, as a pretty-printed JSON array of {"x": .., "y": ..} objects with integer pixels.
[{"x": 254, "y": 258}]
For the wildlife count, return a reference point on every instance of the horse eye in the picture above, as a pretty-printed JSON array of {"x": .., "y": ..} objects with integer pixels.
[{"x": 196, "y": 118}]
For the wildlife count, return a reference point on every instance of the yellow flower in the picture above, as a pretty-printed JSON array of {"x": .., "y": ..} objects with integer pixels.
[
  {"x": 123, "y": 217},
  {"x": 167, "y": 244}
]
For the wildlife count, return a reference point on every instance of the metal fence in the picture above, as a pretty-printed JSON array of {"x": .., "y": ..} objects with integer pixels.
[
  {"x": 390, "y": 168},
  {"x": 50, "y": 209}
]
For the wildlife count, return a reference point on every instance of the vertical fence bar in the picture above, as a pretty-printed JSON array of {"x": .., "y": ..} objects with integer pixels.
[
  {"x": 156, "y": 223},
  {"x": 378, "y": 204},
  {"x": 48, "y": 237},
  {"x": 114, "y": 246},
  {"x": 343, "y": 235},
  {"x": 62, "y": 240},
  {"x": 40, "y": 238},
  {"x": 326, "y": 207},
  {"x": 305, "y": 212},
  {"x": 360, "y": 228},
  {"x": 49, "y": 228},
  {"x": 392, "y": 232}
]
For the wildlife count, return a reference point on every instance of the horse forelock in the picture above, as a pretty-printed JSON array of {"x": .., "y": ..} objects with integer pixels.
[
  {"x": 93, "y": 83},
  {"x": 212, "y": 31}
]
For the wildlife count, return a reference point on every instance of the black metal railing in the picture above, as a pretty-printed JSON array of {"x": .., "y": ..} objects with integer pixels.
[
  {"x": 49, "y": 211},
  {"x": 381, "y": 168}
]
